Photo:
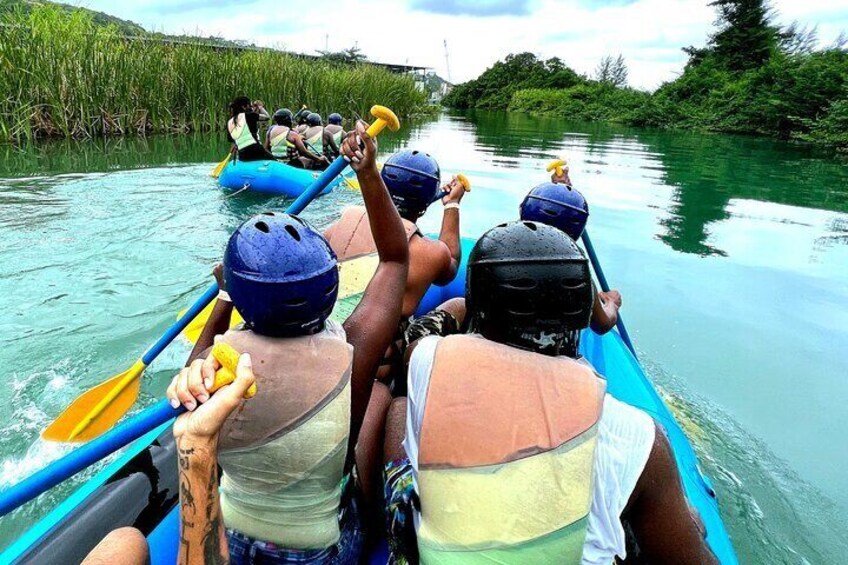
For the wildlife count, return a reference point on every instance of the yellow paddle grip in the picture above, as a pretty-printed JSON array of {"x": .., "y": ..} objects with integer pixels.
[
  {"x": 557, "y": 164},
  {"x": 466, "y": 184},
  {"x": 228, "y": 358},
  {"x": 385, "y": 118}
]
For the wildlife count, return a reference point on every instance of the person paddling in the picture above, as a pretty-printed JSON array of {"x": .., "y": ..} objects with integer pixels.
[
  {"x": 333, "y": 134},
  {"x": 286, "y": 144},
  {"x": 313, "y": 138},
  {"x": 509, "y": 449},
  {"x": 413, "y": 181},
  {"x": 243, "y": 130},
  {"x": 287, "y": 492},
  {"x": 559, "y": 205}
]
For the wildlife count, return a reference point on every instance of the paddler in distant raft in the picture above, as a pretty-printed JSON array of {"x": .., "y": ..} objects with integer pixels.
[
  {"x": 413, "y": 179},
  {"x": 313, "y": 138},
  {"x": 333, "y": 135},
  {"x": 287, "y": 493},
  {"x": 508, "y": 449},
  {"x": 285, "y": 144},
  {"x": 243, "y": 129}
]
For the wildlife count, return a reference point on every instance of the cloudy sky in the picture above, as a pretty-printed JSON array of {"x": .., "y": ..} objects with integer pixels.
[{"x": 649, "y": 33}]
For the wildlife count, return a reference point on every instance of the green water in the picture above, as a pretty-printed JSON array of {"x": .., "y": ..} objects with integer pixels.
[{"x": 731, "y": 254}]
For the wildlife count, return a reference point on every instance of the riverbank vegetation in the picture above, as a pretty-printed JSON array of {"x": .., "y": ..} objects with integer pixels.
[
  {"x": 66, "y": 75},
  {"x": 752, "y": 77}
]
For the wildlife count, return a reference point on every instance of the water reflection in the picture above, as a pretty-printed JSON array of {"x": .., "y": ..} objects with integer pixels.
[{"x": 705, "y": 172}]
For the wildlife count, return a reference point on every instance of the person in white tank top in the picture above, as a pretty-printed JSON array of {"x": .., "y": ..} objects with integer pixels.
[
  {"x": 635, "y": 478},
  {"x": 287, "y": 493}
]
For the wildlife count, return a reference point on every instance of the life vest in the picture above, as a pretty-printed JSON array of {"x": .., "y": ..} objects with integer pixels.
[
  {"x": 336, "y": 132},
  {"x": 313, "y": 138},
  {"x": 240, "y": 132},
  {"x": 351, "y": 235},
  {"x": 283, "y": 453},
  {"x": 279, "y": 141},
  {"x": 505, "y": 456}
]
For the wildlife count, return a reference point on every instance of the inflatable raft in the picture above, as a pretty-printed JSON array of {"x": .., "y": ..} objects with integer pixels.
[
  {"x": 270, "y": 177},
  {"x": 140, "y": 487}
]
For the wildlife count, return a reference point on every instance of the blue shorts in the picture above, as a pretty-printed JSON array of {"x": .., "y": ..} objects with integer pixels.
[{"x": 248, "y": 551}]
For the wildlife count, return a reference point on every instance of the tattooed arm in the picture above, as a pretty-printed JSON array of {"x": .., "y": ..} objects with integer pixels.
[{"x": 202, "y": 536}]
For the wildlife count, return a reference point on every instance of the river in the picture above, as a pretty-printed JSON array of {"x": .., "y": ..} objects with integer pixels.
[{"x": 731, "y": 254}]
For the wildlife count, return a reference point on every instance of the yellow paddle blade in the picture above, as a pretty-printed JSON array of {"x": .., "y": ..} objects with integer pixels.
[
  {"x": 354, "y": 276},
  {"x": 193, "y": 330},
  {"x": 219, "y": 168},
  {"x": 81, "y": 421}
]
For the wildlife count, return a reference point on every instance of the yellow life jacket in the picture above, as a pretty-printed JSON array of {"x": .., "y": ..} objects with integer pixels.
[
  {"x": 351, "y": 235},
  {"x": 506, "y": 453},
  {"x": 240, "y": 132},
  {"x": 279, "y": 141},
  {"x": 313, "y": 138},
  {"x": 336, "y": 131},
  {"x": 283, "y": 453}
]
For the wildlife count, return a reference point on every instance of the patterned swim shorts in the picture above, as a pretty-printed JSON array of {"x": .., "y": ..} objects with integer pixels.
[{"x": 400, "y": 497}]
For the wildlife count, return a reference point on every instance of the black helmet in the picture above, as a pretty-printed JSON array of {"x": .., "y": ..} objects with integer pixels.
[
  {"x": 283, "y": 117},
  {"x": 529, "y": 286},
  {"x": 313, "y": 119},
  {"x": 301, "y": 118}
]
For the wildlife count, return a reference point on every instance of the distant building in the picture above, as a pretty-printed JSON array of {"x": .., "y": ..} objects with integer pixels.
[{"x": 434, "y": 85}]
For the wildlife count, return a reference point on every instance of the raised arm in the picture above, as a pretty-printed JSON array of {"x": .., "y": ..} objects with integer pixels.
[
  {"x": 372, "y": 325},
  {"x": 449, "y": 235},
  {"x": 202, "y": 535},
  {"x": 219, "y": 320},
  {"x": 667, "y": 530}
]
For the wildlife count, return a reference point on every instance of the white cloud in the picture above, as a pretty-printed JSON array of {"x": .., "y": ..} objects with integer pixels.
[{"x": 649, "y": 33}]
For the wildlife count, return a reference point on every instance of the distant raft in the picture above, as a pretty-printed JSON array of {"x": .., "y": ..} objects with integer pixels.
[{"x": 271, "y": 177}]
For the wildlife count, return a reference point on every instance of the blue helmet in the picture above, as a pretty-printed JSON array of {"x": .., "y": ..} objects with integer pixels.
[
  {"x": 335, "y": 118},
  {"x": 413, "y": 179},
  {"x": 556, "y": 205},
  {"x": 282, "y": 275},
  {"x": 313, "y": 119}
]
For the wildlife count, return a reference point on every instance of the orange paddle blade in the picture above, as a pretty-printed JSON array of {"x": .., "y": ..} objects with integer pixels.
[{"x": 73, "y": 424}]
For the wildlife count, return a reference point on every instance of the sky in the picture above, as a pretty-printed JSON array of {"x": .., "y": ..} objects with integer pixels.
[{"x": 648, "y": 33}]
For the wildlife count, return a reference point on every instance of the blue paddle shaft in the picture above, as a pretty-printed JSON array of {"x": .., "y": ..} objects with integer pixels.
[
  {"x": 334, "y": 170},
  {"x": 88, "y": 454},
  {"x": 602, "y": 280},
  {"x": 151, "y": 417},
  {"x": 180, "y": 325}
]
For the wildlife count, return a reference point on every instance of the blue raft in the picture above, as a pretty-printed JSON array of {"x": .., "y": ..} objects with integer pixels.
[
  {"x": 140, "y": 487},
  {"x": 270, "y": 177}
]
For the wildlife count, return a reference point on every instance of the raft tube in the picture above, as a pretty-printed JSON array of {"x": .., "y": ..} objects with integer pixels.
[
  {"x": 270, "y": 177},
  {"x": 140, "y": 488}
]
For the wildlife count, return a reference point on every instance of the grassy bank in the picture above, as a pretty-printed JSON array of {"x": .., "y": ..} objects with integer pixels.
[
  {"x": 590, "y": 101},
  {"x": 65, "y": 75}
]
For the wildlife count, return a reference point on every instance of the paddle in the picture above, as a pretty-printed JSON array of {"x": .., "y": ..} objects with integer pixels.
[
  {"x": 216, "y": 172},
  {"x": 98, "y": 409},
  {"x": 81, "y": 458}
]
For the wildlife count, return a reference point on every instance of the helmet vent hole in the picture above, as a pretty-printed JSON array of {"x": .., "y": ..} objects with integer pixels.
[
  {"x": 295, "y": 302},
  {"x": 549, "y": 212},
  {"x": 293, "y": 232},
  {"x": 263, "y": 227},
  {"x": 268, "y": 214},
  {"x": 415, "y": 152},
  {"x": 330, "y": 290},
  {"x": 521, "y": 284},
  {"x": 416, "y": 183},
  {"x": 530, "y": 225}
]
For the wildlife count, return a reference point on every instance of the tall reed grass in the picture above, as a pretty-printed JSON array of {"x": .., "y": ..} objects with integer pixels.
[{"x": 63, "y": 75}]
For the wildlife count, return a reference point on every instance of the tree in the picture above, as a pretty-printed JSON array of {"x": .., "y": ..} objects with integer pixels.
[
  {"x": 612, "y": 71},
  {"x": 746, "y": 37},
  {"x": 349, "y": 56}
]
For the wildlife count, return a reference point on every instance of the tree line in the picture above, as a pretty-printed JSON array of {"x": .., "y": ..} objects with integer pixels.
[{"x": 751, "y": 77}]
